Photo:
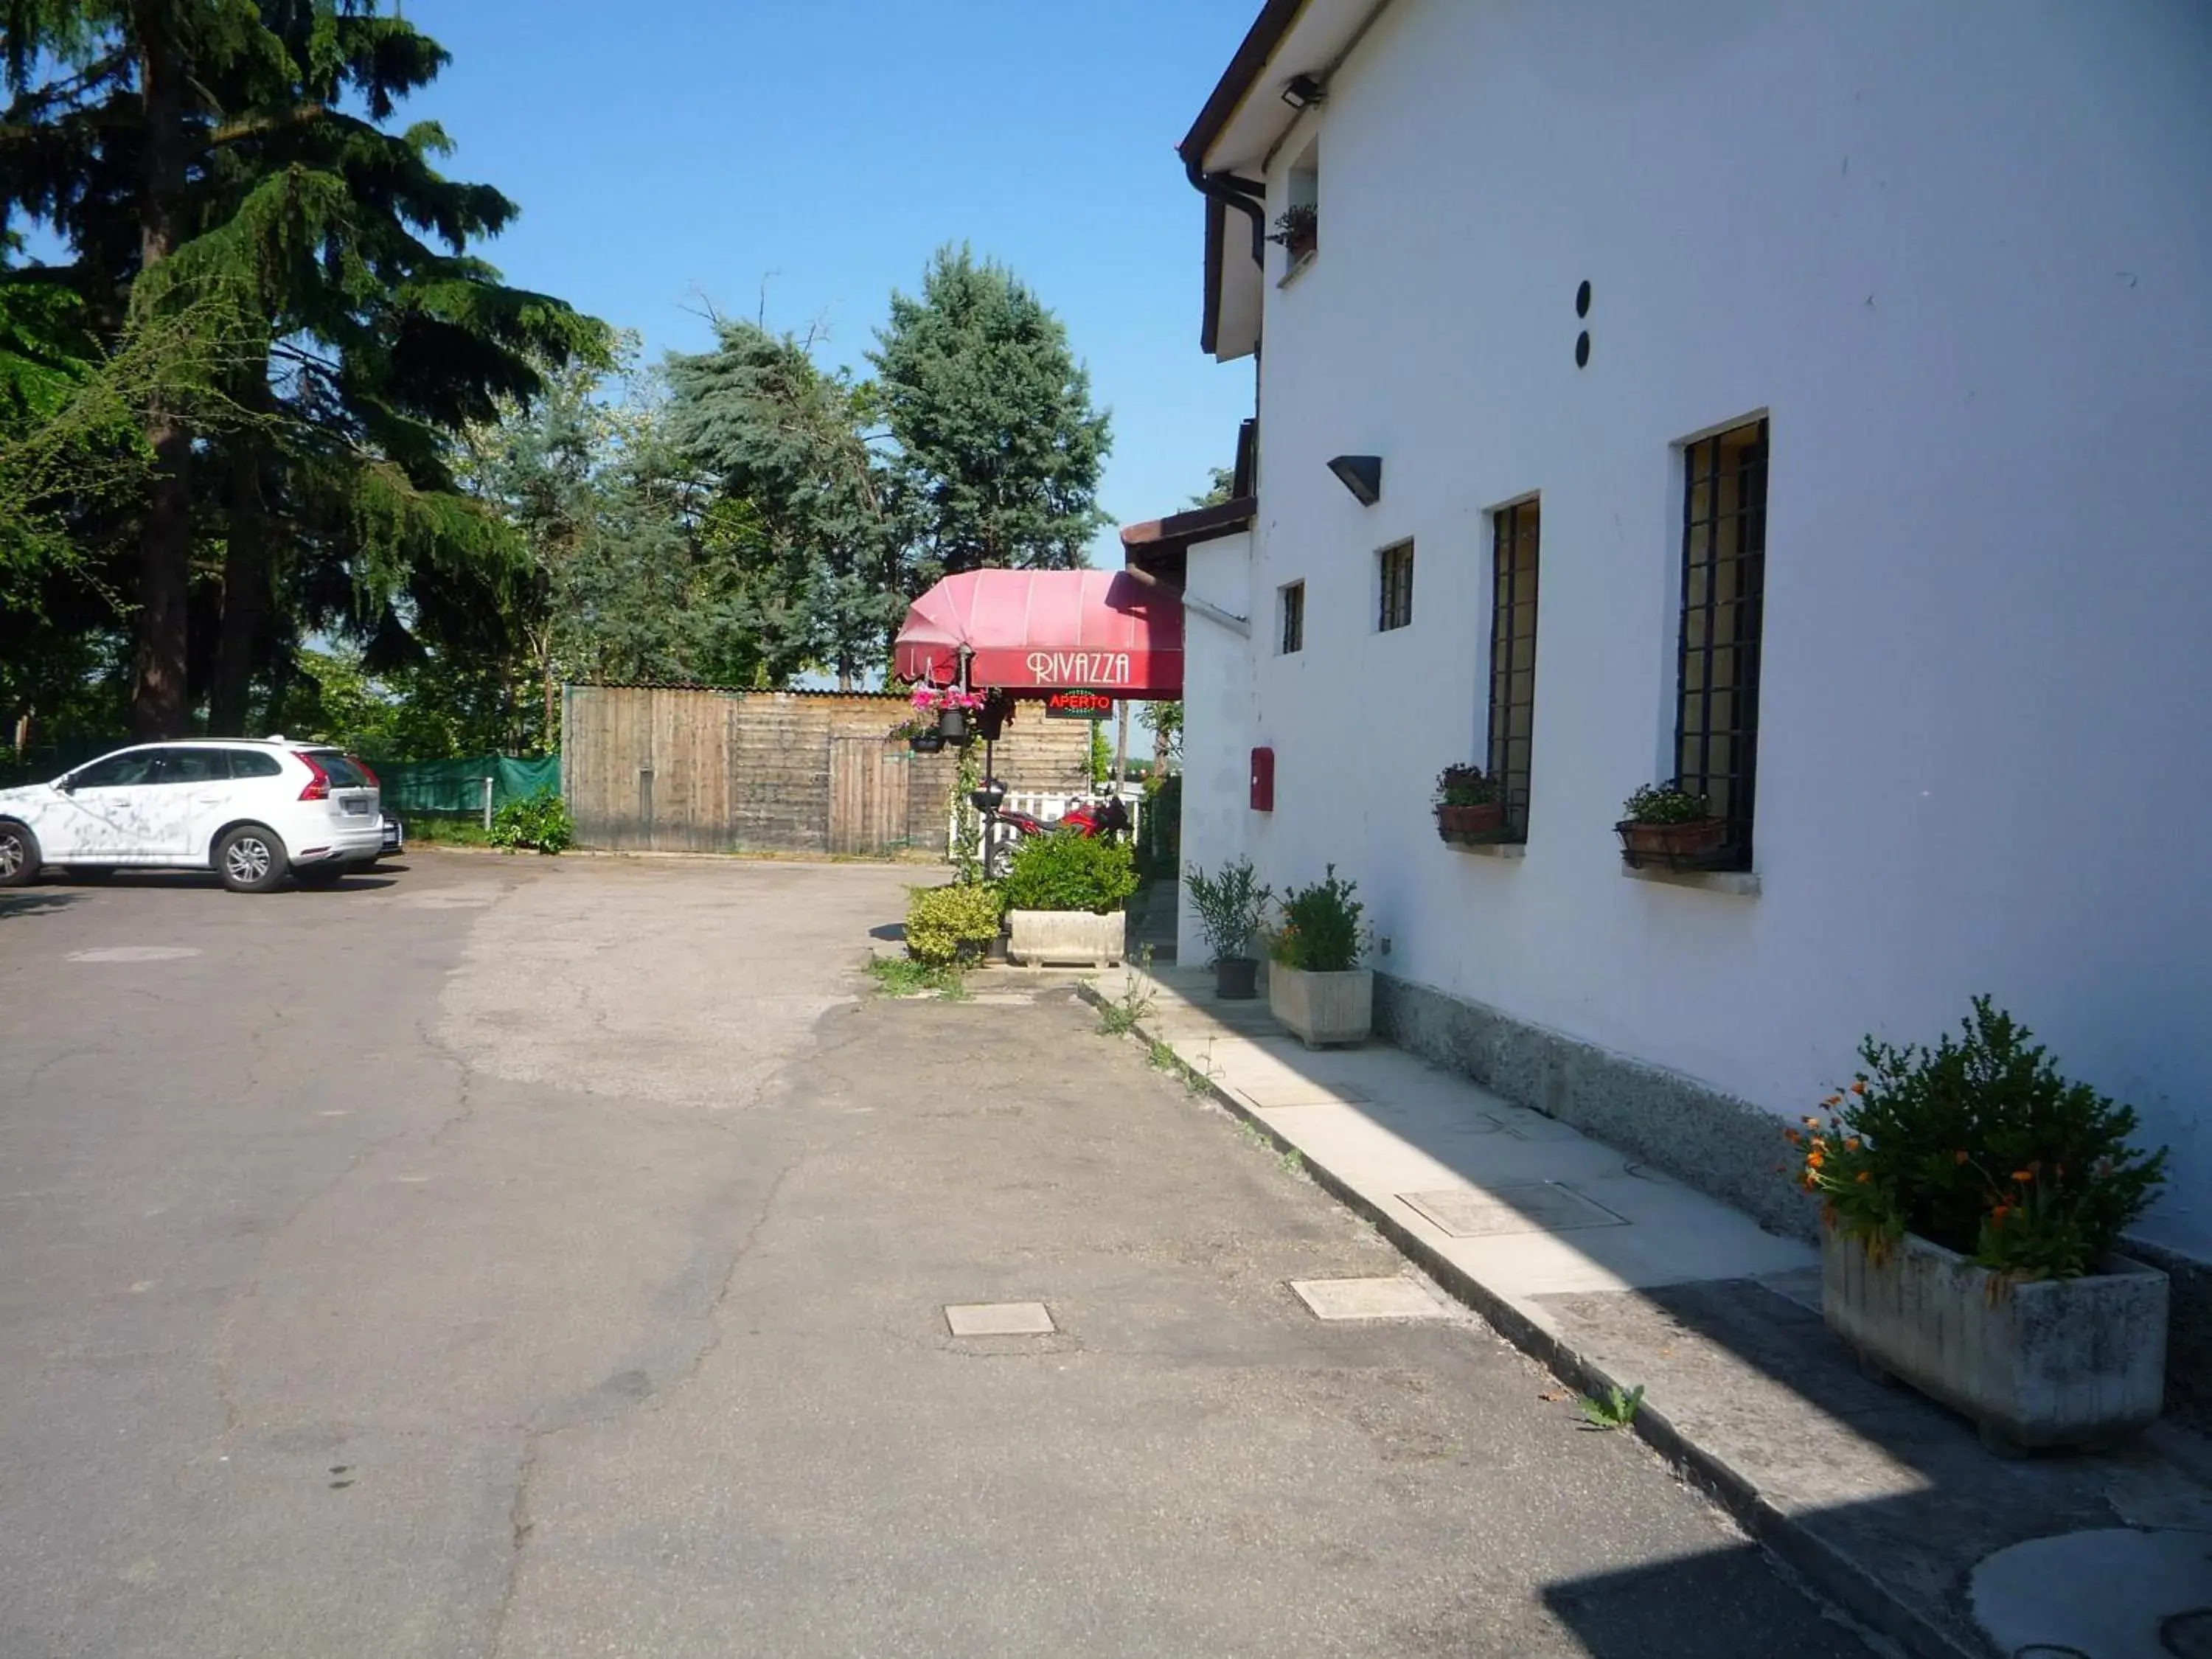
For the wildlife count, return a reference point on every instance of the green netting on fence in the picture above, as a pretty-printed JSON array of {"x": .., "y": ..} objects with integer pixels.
[{"x": 456, "y": 786}]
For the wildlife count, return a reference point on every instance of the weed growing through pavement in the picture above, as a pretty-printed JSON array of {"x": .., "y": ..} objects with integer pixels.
[
  {"x": 1294, "y": 1163},
  {"x": 1122, "y": 1016},
  {"x": 1616, "y": 1411},
  {"x": 902, "y": 977}
]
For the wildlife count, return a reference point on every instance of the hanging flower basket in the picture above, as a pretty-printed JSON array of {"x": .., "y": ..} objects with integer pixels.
[
  {"x": 952, "y": 724},
  {"x": 1470, "y": 808},
  {"x": 1675, "y": 846},
  {"x": 926, "y": 742}
]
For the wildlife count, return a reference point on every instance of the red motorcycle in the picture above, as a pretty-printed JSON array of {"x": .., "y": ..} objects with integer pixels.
[{"x": 1003, "y": 828}]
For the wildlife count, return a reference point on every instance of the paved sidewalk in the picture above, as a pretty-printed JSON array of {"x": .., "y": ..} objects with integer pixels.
[{"x": 1614, "y": 1274}]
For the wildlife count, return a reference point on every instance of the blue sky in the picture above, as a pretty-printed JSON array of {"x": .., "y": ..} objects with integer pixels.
[{"x": 671, "y": 154}]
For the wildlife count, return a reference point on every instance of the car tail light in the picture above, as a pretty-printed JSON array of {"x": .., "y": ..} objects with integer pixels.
[
  {"x": 318, "y": 785},
  {"x": 361, "y": 767}
]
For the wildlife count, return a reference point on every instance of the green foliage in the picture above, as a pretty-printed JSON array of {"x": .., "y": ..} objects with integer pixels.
[
  {"x": 1220, "y": 488},
  {"x": 541, "y": 821},
  {"x": 998, "y": 448},
  {"x": 423, "y": 831},
  {"x": 1980, "y": 1145},
  {"x": 1102, "y": 756},
  {"x": 967, "y": 822},
  {"x": 946, "y": 925},
  {"x": 1230, "y": 906},
  {"x": 1666, "y": 803},
  {"x": 903, "y": 977},
  {"x": 1063, "y": 871},
  {"x": 1616, "y": 1411},
  {"x": 1128, "y": 1009},
  {"x": 1160, "y": 828},
  {"x": 1463, "y": 785},
  {"x": 1320, "y": 930}
]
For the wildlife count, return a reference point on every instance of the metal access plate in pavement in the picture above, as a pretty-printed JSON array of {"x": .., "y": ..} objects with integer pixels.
[{"x": 1541, "y": 1207}]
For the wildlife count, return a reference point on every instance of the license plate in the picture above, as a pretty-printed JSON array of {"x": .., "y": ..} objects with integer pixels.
[{"x": 356, "y": 805}]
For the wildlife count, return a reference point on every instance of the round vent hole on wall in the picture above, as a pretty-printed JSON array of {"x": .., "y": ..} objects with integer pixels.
[
  {"x": 1582, "y": 350},
  {"x": 1583, "y": 299}
]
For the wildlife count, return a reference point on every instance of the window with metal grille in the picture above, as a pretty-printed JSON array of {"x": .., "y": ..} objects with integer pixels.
[
  {"x": 1513, "y": 551},
  {"x": 1723, "y": 591},
  {"x": 1294, "y": 617},
  {"x": 1397, "y": 570}
]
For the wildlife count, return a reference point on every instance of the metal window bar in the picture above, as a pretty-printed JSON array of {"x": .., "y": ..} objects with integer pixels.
[
  {"x": 1723, "y": 594},
  {"x": 1397, "y": 607},
  {"x": 1514, "y": 549},
  {"x": 1294, "y": 617}
]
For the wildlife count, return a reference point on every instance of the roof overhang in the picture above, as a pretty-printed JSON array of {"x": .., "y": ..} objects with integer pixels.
[{"x": 1236, "y": 133}]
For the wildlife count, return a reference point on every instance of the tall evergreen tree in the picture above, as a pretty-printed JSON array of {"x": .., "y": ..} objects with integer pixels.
[
  {"x": 783, "y": 439},
  {"x": 998, "y": 445},
  {"x": 185, "y": 148}
]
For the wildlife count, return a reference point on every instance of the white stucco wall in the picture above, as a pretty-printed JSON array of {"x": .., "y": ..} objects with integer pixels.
[
  {"x": 1960, "y": 254},
  {"x": 1216, "y": 749}
]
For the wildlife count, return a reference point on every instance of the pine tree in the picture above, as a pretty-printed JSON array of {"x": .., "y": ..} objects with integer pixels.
[
  {"x": 192, "y": 150},
  {"x": 998, "y": 448}
]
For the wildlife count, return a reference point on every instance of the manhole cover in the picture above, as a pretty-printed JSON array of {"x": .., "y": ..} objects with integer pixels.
[
  {"x": 134, "y": 953},
  {"x": 1367, "y": 1298},
  {"x": 998, "y": 1319},
  {"x": 1543, "y": 1208}
]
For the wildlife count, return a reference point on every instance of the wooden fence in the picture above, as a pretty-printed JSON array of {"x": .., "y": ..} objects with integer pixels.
[{"x": 662, "y": 769}]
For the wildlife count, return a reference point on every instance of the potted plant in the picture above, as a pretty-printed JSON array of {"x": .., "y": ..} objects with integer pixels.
[
  {"x": 1230, "y": 907},
  {"x": 1470, "y": 807},
  {"x": 1318, "y": 990},
  {"x": 1972, "y": 1200},
  {"x": 953, "y": 708},
  {"x": 1064, "y": 896},
  {"x": 1298, "y": 230},
  {"x": 1668, "y": 825}
]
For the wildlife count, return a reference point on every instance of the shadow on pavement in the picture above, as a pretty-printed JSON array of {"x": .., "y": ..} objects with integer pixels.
[
  {"x": 25, "y": 904},
  {"x": 1714, "y": 1605}
]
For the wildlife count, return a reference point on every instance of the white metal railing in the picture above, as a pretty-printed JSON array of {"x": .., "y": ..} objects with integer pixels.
[{"x": 1045, "y": 807}]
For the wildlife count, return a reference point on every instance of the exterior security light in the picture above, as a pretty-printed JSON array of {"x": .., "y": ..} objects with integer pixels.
[
  {"x": 1360, "y": 474},
  {"x": 1304, "y": 91}
]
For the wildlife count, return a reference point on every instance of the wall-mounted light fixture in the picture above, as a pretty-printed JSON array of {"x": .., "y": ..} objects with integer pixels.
[
  {"x": 1304, "y": 92},
  {"x": 1360, "y": 474}
]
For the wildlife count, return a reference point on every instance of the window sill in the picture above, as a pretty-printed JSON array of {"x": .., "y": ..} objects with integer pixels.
[
  {"x": 1743, "y": 884},
  {"x": 1298, "y": 268}
]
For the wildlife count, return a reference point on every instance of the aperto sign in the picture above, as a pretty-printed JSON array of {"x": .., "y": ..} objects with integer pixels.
[{"x": 1078, "y": 706}]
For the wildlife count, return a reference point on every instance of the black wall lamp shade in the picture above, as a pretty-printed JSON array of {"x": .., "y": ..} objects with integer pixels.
[{"x": 1360, "y": 474}]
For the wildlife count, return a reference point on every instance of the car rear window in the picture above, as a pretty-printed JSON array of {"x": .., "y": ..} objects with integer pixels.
[{"x": 343, "y": 774}]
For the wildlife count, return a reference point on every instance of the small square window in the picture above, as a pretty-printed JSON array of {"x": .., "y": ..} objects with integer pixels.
[
  {"x": 1396, "y": 565},
  {"x": 1293, "y": 609}
]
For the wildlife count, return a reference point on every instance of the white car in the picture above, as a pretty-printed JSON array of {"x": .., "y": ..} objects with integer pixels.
[{"x": 253, "y": 810}]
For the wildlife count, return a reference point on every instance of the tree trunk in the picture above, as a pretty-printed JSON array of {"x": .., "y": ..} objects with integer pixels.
[
  {"x": 245, "y": 598},
  {"x": 158, "y": 700}
]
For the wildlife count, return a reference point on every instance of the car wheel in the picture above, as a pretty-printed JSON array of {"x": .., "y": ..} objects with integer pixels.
[
  {"x": 251, "y": 859},
  {"x": 19, "y": 855}
]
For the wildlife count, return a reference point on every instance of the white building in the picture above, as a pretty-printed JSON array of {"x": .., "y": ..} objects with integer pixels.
[{"x": 1906, "y": 309}]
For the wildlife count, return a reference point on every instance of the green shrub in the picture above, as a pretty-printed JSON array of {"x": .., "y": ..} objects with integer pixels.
[
  {"x": 1063, "y": 871},
  {"x": 541, "y": 821},
  {"x": 946, "y": 925},
  {"x": 1982, "y": 1146},
  {"x": 1320, "y": 929}
]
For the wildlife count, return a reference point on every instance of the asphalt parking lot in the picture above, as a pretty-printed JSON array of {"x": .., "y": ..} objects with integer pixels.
[{"x": 517, "y": 1256}]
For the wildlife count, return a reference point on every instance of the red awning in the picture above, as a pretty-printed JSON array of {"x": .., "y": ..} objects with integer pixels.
[{"x": 1094, "y": 630}]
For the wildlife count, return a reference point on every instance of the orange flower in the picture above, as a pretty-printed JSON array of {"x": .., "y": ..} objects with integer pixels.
[
  {"x": 1859, "y": 1088},
  {"x": 2000, "y": 1212},
  {"x": 1852, "y": 1145},
  {"x": 2023, "y": 1175},
  {"x": 1961, "y": 1157},
  {"x": 1815, "y": 1157},
  {"x": 1864, "y": 1177},
  {"x": 1833, "y": 1100},
  {"x": 1810, "y": 1122},
  {"x": 1792, "y": 1137}
]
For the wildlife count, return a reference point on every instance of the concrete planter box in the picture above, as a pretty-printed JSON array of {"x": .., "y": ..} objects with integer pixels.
[
  {"x": 1036, "y": 937},
  {"x": 2061, "y": 1362},
  {"x": 1323, "y": 1008}
]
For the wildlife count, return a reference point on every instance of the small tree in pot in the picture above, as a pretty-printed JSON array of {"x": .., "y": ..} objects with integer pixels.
[
  {"x": 1230, "y": 907},
  {"x": 1668, "y": 824},
  {"x": 1469, "y": 805}
]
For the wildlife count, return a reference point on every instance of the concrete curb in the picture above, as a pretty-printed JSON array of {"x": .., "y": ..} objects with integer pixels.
[{"x": 1828, "y": 1570}]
